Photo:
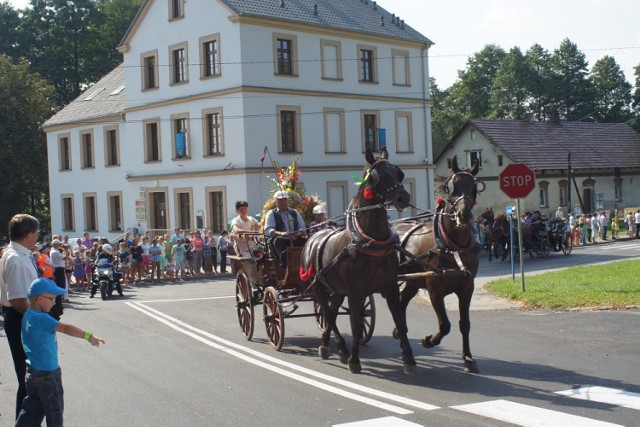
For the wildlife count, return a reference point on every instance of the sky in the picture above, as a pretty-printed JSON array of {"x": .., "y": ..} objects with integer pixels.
[{"x": 460, "y": 28}]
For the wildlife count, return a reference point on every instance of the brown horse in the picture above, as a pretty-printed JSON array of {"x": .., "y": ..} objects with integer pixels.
[
  {"x": 360, "y": 260},
  {"x": 445, "y": 245}
]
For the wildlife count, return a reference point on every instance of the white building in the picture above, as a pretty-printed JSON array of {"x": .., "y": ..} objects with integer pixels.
[{"x": 173, "y": 136}]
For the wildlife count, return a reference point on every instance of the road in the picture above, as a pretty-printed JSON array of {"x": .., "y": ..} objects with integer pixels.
[{"x": 175, "y": 357}]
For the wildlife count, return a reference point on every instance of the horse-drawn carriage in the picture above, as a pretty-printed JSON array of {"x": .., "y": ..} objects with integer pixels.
[
  {"x": 536, "y": 240},
  {"x": 363, "y": 258},
  {"x": 261, "y": 280}
]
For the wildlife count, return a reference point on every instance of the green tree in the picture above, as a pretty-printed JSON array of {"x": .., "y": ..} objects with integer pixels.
[
  {"x": 60, "y": 44},
  {"x": 539, "y": 82},
  {"x": 636, "y": 100},
  {"x": 574, "y": 95},
  {"x": 612, "y": 92},
  {"x": 445, "y": 119},
  {"x": 509, "y": 91},
  {"x": 9, "y": 30},
  {"x": 472, "y": 91},
  {"x": 23, "y": 158}
]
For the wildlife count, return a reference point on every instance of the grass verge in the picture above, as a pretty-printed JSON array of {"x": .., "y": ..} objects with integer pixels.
[{"x": 615, "y": 285}]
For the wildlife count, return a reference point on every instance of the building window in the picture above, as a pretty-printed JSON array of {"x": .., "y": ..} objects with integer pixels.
[
  {"x": 562, "y": 187},
  {"x": 90, "y": 217},
  {"x": 67, "y": 213},
  {"x": 180, "y": 132},
  {"x": 370, "y": 123},
  {"x": 617, "y": 189},
  {"x": 404, "y": 132},
  {"x": 210, "y": 56},
  {"x": 149, "y": 70},
  {"x": 473, "y": 157},
  {"x": 367, "y": 64},
  {"x": 178, "y": 64},
  {"x": 331, "y": 59},
  {"x": 500, "y": 161},
  {"x": 217, "y": 219},
  {"x": 213, "y": 132},
  {"x": 284, "y": 54},
  {"x": 176, "y": 9},
  {"x": 183, "y": 208},
  {"x": 115, "y": 211},
  {"x": 289, "y": 129},
  {"x": 86, "y": 151},
  {"x": 152, "y": 142},
  {"x": 111, "y": 147},
  {"x": 544, "y": 194},
  {"x": 334, "y": 131},
  {"x": 400, "y": 67},
  {"x": 64, "y": 151}
]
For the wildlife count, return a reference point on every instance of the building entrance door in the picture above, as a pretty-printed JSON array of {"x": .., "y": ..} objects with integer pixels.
[
  {"x": 587, "y": 200},
  {"x": 159, "y": 208}
]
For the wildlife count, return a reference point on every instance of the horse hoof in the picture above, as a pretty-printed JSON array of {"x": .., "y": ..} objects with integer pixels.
[
  {"x": 355, "y": 368},
  {"x": 344, "y": 358},
  {"x": 323, "y": 351},
  {"x": 426, "y": 342},
  {"x": 410, "y": 369},
  {"x": 470, "y": 366},
  {"x": 395, "y": 333}
]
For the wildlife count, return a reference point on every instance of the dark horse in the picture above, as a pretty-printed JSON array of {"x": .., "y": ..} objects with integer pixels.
[
  {"x": 359, "y": 260},
  {"x": 446, "y": 243}
]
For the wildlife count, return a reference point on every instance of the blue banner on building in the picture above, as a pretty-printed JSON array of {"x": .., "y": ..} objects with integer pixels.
[{"x": 181, "y": 149}]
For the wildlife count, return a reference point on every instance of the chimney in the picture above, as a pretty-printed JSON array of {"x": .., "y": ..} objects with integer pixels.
[
  {"x": 315, "y": 9},
  {"x": 554, "y": 117}
]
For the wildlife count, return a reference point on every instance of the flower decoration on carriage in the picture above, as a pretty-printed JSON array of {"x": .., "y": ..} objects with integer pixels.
[{"x": 288, "y": 179}]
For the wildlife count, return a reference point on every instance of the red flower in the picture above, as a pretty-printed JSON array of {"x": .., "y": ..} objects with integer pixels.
[
  {"x": 261, "y": 159},
  {"x": 368, "y": 193},
  {"x": 439, "y": 201}
]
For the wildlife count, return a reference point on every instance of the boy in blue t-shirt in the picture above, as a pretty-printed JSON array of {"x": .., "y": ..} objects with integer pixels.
[{"x": 44, "y": 380}]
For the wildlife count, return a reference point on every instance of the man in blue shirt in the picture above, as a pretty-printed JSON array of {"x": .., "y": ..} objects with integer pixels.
[
  {"x": 286, "y": 226},
  {"x": 44, "y": 379}
]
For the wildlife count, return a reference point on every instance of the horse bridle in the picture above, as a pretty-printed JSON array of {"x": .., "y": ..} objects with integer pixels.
[
  {"x": 449, "y": 188},
  {"x": 375, "y": 177}
]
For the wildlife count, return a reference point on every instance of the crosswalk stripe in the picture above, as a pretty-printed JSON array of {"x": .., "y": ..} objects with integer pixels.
[
  {"x": 607, "y": 395},
  {"x": 625, "y": 246},
  {"x": 528, "y": 416},
  {"x": 380, "y": 422}
]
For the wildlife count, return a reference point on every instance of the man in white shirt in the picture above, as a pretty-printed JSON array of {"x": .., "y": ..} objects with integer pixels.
[
  {"x": 559, "y": 213},
  {"x": 637, "y": 218},
  {"x": 17, "y": 271}
]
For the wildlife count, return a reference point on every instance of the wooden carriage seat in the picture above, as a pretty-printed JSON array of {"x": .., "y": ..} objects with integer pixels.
[{"x": 292, "y": 275}]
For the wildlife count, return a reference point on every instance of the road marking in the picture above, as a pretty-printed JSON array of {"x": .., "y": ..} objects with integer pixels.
[
  {"x": 528, "y": 416},
  {"x": 607, "y": 395},
  {"x": 231, "y": 349},
  {"x": 624, "y": 246},
  {"x": 380, "y": 422},
  {"x": 186, "y": 299}
]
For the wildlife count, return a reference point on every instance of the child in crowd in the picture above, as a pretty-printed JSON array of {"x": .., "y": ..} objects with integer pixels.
[
  {"x": 79, "y": 272},
  {"x": 124, "y": 257},
  {"x": 170, "y": 268},
  {"x": 223, "y": 247},
  {"x": 44, "y": 379},
  {"x": 178, "y": 255}
]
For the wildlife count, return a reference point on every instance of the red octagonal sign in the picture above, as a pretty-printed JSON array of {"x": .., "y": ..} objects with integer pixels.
[{"x": 517, "y": 180}]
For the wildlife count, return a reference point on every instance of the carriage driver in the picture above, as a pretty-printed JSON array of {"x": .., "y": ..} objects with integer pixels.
[{"x": 285, "y": 226}]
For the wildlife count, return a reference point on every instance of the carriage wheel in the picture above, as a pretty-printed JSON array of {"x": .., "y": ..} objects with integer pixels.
[
  {"x": 544, "y": 248},
  {"x": 566, "y": 244},
  {"x": 321, "y": 322},
  {"x": 244, "y": 305},
  {"x": 273, "y": 318},
  {"x": 368, "y": 319}
]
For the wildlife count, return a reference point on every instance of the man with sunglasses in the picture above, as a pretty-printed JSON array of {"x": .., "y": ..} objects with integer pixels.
[{"x": 17, "y": 270}]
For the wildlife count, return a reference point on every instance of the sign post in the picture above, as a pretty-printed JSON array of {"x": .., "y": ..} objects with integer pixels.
[{"x": 516, "y": 181}]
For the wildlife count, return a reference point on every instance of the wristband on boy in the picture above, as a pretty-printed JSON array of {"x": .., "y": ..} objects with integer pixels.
[{"x": 88, "y": 335}]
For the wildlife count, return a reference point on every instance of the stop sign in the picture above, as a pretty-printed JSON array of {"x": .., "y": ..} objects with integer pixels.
[{"x": 517, "y": 180}]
